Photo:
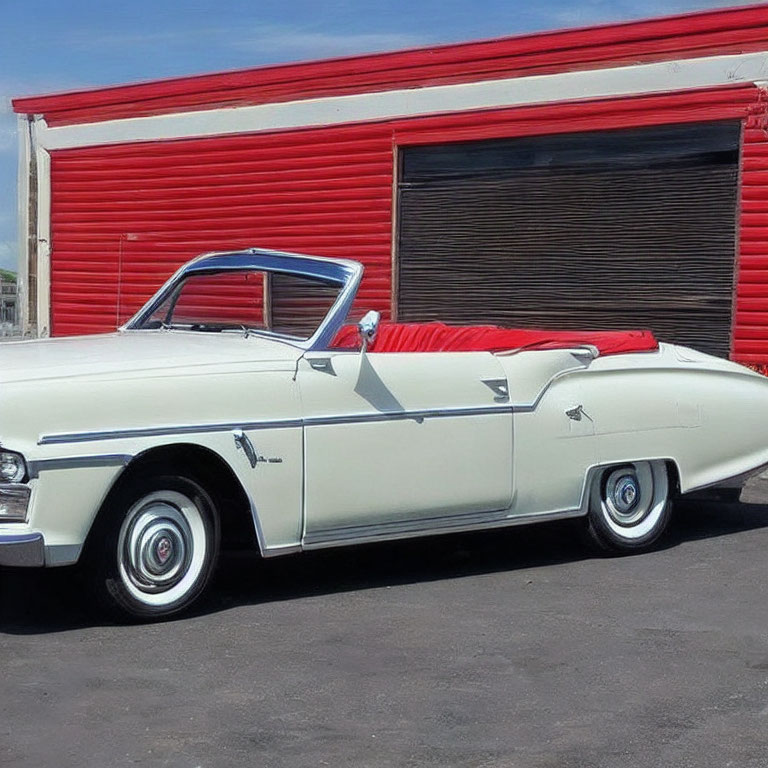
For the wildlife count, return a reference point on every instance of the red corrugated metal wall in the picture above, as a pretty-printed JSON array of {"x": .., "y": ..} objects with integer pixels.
[
  {"x": 124, "y": 217},
  {"x": 750, "y": 328}
]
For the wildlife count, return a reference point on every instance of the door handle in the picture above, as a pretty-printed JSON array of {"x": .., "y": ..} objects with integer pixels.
[
  {"x": 499, "y": 387},
  {"x": 322, "y": 364}
]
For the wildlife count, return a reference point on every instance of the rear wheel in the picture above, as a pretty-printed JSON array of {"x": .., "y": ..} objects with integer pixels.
[
  {"x": 629, "y": 506},
  {"x": 154, "y": 547}
]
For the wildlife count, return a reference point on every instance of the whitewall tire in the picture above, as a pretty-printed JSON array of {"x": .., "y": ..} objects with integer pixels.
[
  {"x": 629, "y": 507},
  {"x": 154, "y": 547}
]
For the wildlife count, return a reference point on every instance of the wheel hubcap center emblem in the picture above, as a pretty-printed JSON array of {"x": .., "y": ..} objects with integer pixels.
[
  {"x": 164, "y": 550},
  {"x": 626, "y": 495}
]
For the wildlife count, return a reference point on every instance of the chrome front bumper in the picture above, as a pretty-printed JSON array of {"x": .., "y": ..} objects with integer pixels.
[{"x": 26, "y": 550}]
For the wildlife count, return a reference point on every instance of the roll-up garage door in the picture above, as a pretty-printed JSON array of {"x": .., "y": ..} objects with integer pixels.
[{"x": 612, "y": 230}]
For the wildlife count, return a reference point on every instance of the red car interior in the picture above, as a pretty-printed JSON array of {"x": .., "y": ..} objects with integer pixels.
[{"x": 439, "y": 337}]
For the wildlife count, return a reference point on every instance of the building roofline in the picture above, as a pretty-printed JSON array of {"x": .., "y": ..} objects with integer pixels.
[{"x": 722, "y": 20}]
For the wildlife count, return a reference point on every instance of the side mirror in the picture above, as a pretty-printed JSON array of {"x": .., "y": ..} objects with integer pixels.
[{"x": 367, "y": 328}]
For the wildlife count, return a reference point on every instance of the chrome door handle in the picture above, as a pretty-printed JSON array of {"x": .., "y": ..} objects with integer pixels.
[
  {"x": 322, "y": 364},
  {"x": 499, "y": 387}
]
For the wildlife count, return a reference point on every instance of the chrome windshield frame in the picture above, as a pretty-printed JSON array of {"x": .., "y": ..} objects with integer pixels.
[{"x": 342, "y": 272}]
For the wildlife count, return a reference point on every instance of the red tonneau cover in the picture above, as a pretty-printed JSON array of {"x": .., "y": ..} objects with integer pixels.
[{"x": 439, "y": 337}]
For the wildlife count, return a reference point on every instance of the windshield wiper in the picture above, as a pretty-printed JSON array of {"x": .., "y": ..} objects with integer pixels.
[
  {"x": 208, "y": 327},
  {"x": 219, "y": 327}
]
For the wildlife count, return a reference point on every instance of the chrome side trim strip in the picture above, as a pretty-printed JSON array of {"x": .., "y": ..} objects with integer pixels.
[
  {"x": 311, "y": 421},
  {"x": 474, "y": 521},
  {"x": 74, "y": 462},
  {"x": 181, "y": 429},
  {"x": 416, "y": 415},
  {"x": 385, "y": 530},
  {"x": 282, "y": 549},
  {"x": 333, "y": 537}
]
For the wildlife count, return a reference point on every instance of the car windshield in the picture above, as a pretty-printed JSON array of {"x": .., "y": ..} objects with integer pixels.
[{"x": 246, "y": 300}]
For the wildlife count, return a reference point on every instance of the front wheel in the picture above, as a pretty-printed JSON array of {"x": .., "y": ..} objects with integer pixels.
[
  {"x": 154, "y": 547},
  {"x": 629, "y": 506}
]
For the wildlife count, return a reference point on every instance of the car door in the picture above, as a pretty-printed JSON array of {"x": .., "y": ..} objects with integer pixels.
[{"x": 398, "y": 442}]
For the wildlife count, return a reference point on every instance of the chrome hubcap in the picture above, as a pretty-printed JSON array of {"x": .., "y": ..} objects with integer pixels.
[
  {"x": 161, "y": 548},
  {"x": 623, "y": 497},
  {"x": 630, "y": 503},
  {"x": 156, "y": 545},
  {"x": 626, "y": 494}
]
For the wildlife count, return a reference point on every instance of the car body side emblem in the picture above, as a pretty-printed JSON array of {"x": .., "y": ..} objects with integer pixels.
[{"x": 243, "y": 442}]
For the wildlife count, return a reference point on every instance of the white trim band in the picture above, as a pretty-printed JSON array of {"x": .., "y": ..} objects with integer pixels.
[
  {"x": 659, "y": 77},
  {"x": 23, "y": 190}
]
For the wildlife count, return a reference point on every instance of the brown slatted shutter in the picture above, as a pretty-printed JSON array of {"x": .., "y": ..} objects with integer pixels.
[
  {"x": 620, "y": 229},
  {"x": 297, "y": 304}
]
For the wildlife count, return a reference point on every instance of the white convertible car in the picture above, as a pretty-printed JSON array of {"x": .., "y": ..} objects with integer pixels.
[{"x": 237, "y": 406}]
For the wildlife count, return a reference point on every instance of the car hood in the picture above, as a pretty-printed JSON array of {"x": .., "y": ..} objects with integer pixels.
[{"x": 134, "y": 351}]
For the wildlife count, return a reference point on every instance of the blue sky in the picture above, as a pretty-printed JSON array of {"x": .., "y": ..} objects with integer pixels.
[{"x": 52, "y": 45}]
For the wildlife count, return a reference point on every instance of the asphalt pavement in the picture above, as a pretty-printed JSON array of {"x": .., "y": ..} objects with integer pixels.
[{"x": 514, "y": 648}]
